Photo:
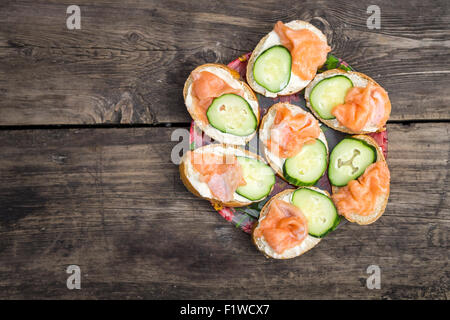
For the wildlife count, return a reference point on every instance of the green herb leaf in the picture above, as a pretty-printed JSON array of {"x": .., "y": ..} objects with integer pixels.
[
  {"x": 254, "y": 213},
  {"x": 332, "y": 62},
  {"x": 344, "y": 67}
]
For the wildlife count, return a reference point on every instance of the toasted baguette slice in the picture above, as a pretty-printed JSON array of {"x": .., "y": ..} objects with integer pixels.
[
  {"x": 191, "y": 180},
  {"x": 272, "y": 39},
  {"x": 264, "y": 134},
  {"x": 308, "y": 243},
  {"x": 359, "y": 80},
  {"x": 232, "y": 78},
  {"x": 381, "y": 201}
]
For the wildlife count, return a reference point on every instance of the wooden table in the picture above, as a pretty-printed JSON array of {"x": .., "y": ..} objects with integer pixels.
[{"x": 86, "y": 120}]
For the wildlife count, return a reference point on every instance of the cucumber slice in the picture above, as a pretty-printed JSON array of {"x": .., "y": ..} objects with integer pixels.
[
  {"x": 307, "y": 166},
  {"x": 232, "y": 114},
  {"x": 272, "y": 68},
  {"x": 318, "y": 209},
  {"x": 259, "y": 177},
  {"x": 329, "y": 93},
  {"x": 349, "y": 159}
]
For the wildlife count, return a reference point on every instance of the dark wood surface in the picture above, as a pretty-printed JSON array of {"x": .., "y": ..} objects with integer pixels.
[
  {"x": 130, "y": 59},
  {"x": 110, "y": 199}
]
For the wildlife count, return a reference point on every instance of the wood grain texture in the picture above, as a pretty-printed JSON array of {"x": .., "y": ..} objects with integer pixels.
[
  {"x": 110, "y": 201},
  {"x": 130, "y": 59}
]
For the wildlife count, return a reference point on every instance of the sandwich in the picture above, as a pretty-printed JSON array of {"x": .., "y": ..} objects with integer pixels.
[
  {"x": 348, "y": 101},
  {"x": 293, "y": 144},
  {"x": 293, "y": 222},
  {"x": 221, "y": 105},
  {"x": 226, "y": 175},
  {"x": 287, "y": 59},
  {"x": 360, "y": 179}
]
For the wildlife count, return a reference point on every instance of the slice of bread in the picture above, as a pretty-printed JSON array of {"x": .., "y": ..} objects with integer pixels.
[
  {"x": 264, "y": 134},
  {"x": 381, "y": 201},
  {"x": 191, "y": 180},
  {"x": 359, "y": 80},
  {"x": 232, "y": 78},
  {"x": 272, "y": 39},
  {"x": 308, "y": 243}
]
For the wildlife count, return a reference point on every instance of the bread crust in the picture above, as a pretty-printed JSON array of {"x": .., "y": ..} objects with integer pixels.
[
  {"x": 381, "y": 200},
  {"x": 258, "y": 50},
  {"x": 215, "y": 202},
  {"x": 330, "y": 123},
  {"x": 236, "y": 76},
  {"x": 264, "y": 211},
  {"x": 271, "y": 164}
]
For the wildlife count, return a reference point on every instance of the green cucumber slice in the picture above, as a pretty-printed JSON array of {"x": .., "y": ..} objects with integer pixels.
[
  {"x": 318, "y": 209},
  {"x": 349, "y": 159},
  {"x": 232, "y": 114},
  {"x": 329, "y": 93},
  {"x": 259, "y": 177},
  {"x": 272, "y": 68},
  {"x": 306, "y": 167}
]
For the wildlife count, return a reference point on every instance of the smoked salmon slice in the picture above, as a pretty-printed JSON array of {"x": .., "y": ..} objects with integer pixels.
[
  {"x": 284, "y": 226},
  {"x": 205, "y": 88},
  {"x": 360, "y": 196},
  {"x": 290, "y": 132},
  {"x": 363, "y": 107},
  {"x": 222, "y": 173},
  {"x": 307, "y": 50}
]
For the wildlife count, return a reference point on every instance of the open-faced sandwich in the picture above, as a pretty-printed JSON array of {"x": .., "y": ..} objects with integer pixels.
[
  {"x": 294, "y": 221},
  {"x": 360, "y": 179},
  {"x": 294, "y": 145},
  {"x": 348, "y": 101},
  {"x": 287, "y": 59},
  {"x": 226, "y": 175},
  {"x": 222, "y": 106}
]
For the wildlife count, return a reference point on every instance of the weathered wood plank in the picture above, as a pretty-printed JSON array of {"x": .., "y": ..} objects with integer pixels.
[
  {"x": 130, "y": 59},
  {"x": 110, "y": 201}
]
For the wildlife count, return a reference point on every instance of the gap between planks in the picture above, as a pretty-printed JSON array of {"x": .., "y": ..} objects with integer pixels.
[{"x": 161, "y": 125}]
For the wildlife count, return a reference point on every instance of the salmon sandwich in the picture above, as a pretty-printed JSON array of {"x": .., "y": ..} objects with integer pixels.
[
  {"x": 294, "y": 144},
  {"x": 360, "y": 179},
  {"x": 348, "y": 101},
  {"x": 226, "y": 175},
  {"x": 294, "y": 221},
  {"x": 222, "y": 106},
  {"x": 287, "y": 59}
]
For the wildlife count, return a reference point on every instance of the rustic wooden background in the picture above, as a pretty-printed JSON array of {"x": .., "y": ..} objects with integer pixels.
[{"x": 86, "y": 118}]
